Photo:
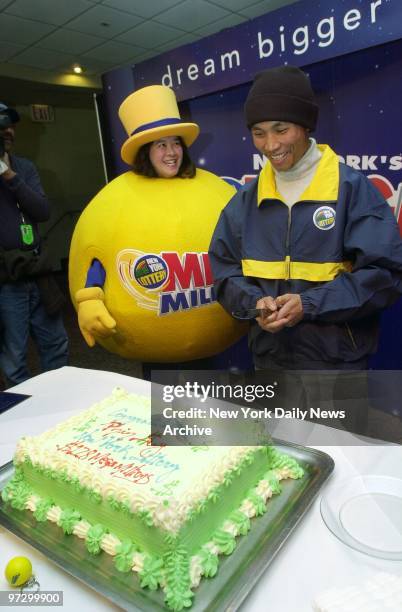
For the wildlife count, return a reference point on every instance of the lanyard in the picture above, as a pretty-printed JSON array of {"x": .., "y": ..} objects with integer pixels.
[{"x": 26, "y": 229}]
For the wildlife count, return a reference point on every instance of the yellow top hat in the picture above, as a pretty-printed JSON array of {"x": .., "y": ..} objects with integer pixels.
[{"x": 149, "y": 114}]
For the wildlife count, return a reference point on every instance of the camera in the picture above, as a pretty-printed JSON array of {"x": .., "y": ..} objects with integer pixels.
[{"x": 5, "y": 122}]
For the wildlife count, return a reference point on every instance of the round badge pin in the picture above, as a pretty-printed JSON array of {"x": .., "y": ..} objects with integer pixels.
[{"x": 324, "y": 218}]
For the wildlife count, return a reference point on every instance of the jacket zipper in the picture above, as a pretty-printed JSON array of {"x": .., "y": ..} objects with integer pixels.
[
  {"x": 287, "y": 246},
  {"x": 351, "y": 336}
]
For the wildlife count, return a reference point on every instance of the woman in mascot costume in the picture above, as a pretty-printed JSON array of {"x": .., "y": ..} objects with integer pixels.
[{"x": 139, "y": 270}]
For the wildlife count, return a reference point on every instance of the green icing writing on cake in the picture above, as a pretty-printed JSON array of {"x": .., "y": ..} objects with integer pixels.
[{"x": 85, "y": 426}]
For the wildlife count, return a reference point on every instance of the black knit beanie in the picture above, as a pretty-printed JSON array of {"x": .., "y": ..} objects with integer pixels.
[{"x": 282, "y": 94}]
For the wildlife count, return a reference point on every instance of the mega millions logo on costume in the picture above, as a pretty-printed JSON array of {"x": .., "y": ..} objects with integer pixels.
[
  {"x": 152, "y": 238},
  {"x": 168, "y": 282}
]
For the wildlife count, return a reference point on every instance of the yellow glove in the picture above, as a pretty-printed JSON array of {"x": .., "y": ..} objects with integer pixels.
[{"x": 93, "y": 318}]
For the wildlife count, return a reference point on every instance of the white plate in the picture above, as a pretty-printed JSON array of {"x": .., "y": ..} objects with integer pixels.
[{"x": 365, "y": 512}]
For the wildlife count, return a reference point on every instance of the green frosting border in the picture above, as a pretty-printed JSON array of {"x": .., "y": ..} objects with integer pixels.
[{"x": 171, "y": 571}]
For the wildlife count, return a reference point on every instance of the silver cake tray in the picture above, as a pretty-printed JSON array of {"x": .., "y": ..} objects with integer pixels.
[{"x": 237, "y": 573}]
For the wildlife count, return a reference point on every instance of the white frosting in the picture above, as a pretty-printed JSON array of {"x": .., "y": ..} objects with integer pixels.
[
  {"x": 196, "y": 571},
  {"x": 231, "y": 528},
  {"x": 81, "y": 529},
  {"x": 248, "y": 508},
  {"x": 213, "y": 548},
  {"x": 54, "y": 514},
  {"x": 284, "y": 472},
  {"x": 31, "y": 503},
  {"x": 106, "y": 448},
  {"x": 138, "y": 562},
  {"x": 264, "y": 490},
  {"x": 109, "y": 544}
]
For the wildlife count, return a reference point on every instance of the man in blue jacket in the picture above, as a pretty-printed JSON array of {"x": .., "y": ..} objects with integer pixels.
[
  {"x": 310, "y": 241},
  {"x": 29, "y": 298}
]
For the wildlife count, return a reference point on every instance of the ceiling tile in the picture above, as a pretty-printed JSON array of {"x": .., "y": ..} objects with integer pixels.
[
  {"x": 114, "y": 51},
  {"x": 221, "y": 24},
  {"x": 135, "y": 58},
  {"x": 22, "y": 31},
  {"x": 143, "y": 8},
  {"x": 146, "y": 55},
  {"x": 260, "y": 8},
  {"x": 67, "y": 40},
  {"x": 91, "y": 22},
  {"x": 191, "y": 14},
  {"x": 46, "y": 33},
  {"x": 8, "y": 50},
  {"x": 48, "y": 11},
  {"x": 42, "y": 58},
  {"x": 178, "y": 42},
  {"x": 150, "y": 35},
  {"x": 236, "y": 5}
]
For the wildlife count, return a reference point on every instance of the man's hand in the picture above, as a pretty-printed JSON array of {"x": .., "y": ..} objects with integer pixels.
[
  {"x": 269, "y": 305},
  {"x": 5, "y": 170},
  {"x": 94, "y": 319},
  {"x": 286, "y": 311}
]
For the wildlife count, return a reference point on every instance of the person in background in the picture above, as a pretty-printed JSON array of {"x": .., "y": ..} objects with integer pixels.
[
  {"x": 310, "y": 242},
  {"x": 30, "y": 300}
]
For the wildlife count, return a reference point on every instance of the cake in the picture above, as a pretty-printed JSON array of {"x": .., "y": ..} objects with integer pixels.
[{"x": 166, "y": 513}]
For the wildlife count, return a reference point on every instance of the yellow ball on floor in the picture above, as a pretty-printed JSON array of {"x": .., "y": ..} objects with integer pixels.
[{"x": 18, "y": 571}]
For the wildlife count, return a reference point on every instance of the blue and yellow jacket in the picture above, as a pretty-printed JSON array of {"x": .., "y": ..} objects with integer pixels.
[{"x": 338, "y": 247}]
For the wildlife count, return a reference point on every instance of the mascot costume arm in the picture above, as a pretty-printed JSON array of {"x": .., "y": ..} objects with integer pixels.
[{"x": 94, "y": 320}]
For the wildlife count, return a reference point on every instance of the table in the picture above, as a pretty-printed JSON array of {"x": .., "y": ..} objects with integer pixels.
[{"x": 311, "y": 560}]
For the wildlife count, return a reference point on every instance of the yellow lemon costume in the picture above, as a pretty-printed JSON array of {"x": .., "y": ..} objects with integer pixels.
[{"x": 151, "y": 237}]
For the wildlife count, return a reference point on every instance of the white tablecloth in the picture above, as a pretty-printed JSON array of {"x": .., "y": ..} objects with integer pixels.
[{"x": 311, "y": 560}]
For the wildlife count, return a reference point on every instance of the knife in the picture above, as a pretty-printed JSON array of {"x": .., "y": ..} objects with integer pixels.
[{"x": 250, "y": 313}]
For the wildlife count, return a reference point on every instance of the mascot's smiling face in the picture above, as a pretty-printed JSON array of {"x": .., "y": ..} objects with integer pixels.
[{"x": 166, "y": 156}]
